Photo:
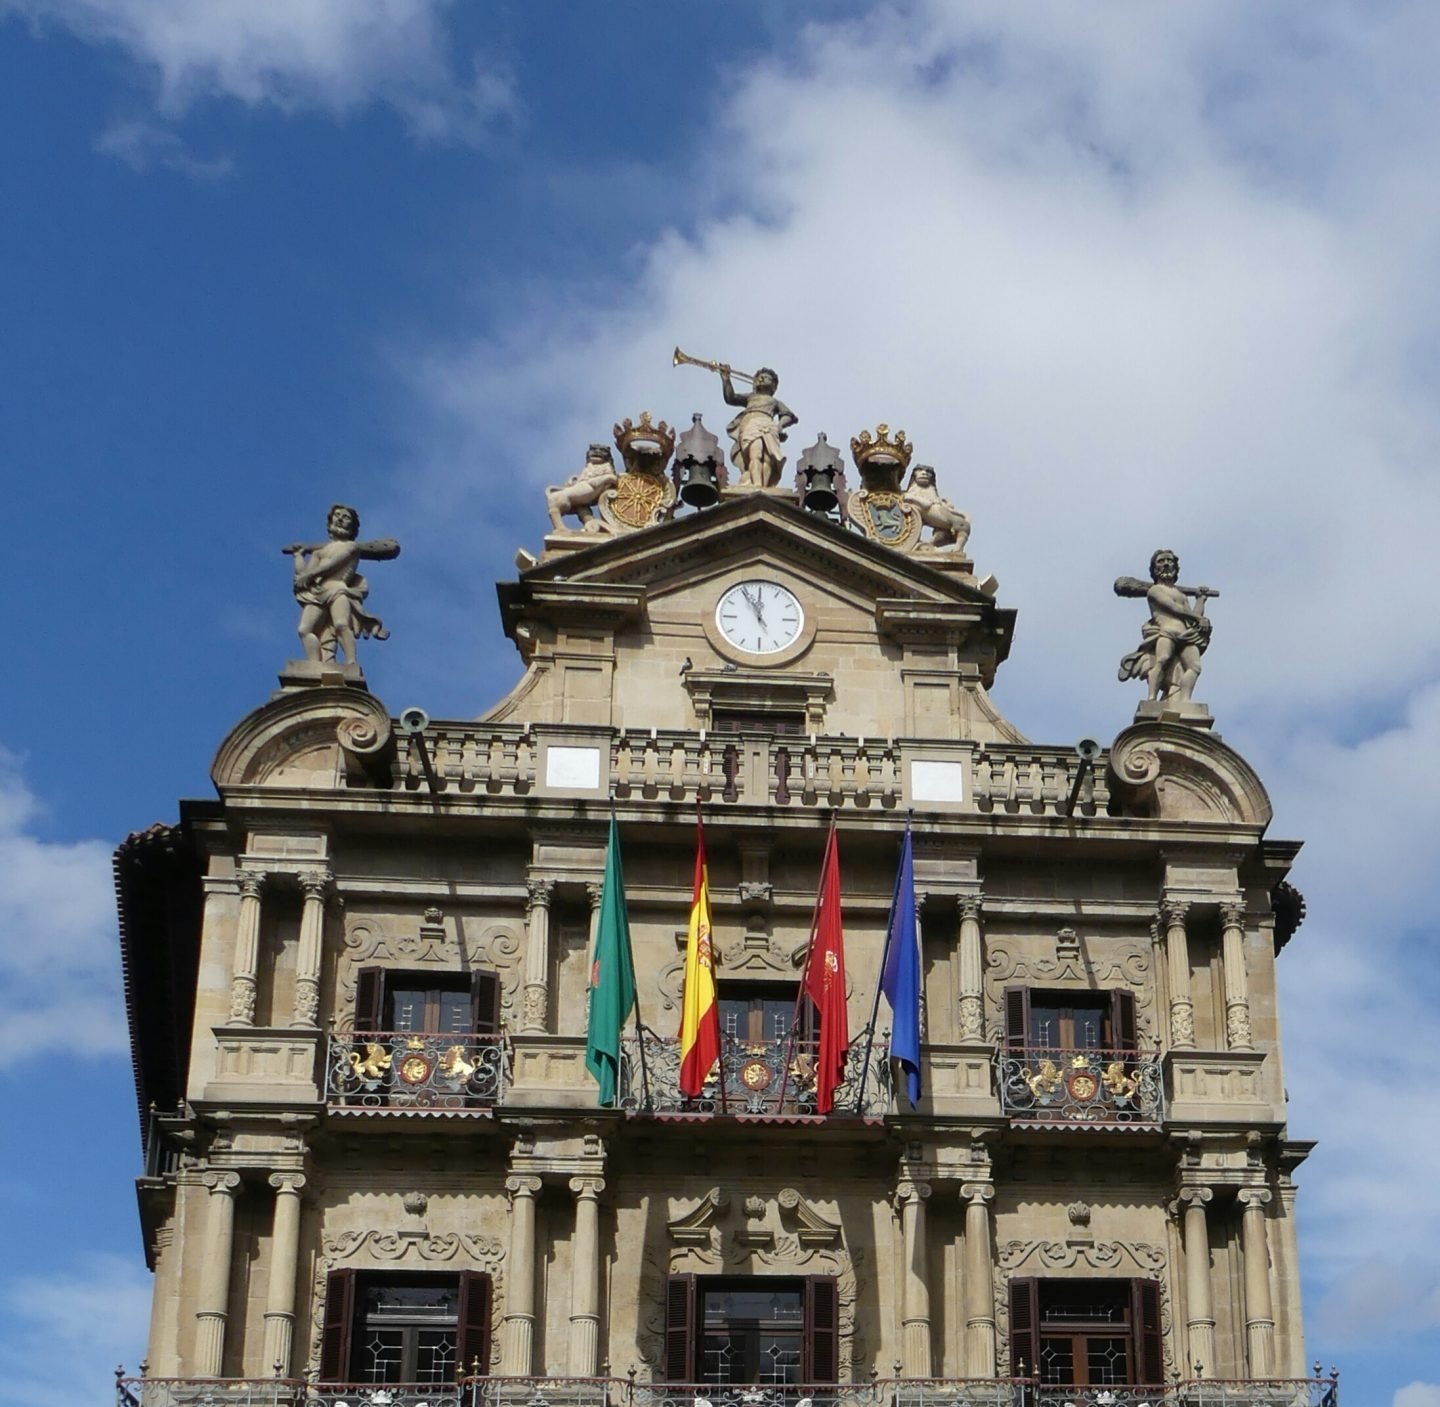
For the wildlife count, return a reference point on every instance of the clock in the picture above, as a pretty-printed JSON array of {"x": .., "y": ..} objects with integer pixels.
[{"x": 760, "y": 617}]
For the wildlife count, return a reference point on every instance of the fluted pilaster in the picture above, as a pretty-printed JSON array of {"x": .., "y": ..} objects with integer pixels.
[
  {"x": 979, "y": 1281},
  {"x": 284, "y": 1266},
  {"x": 315, "y": 885},
  {"x": 517, "y": 1329},
  {"x": 585, "y": 1278},
  {"x": 247, "y": 950},
  {"x": 917, "y": 1356},
  {"x": 214, "y": 1294}
]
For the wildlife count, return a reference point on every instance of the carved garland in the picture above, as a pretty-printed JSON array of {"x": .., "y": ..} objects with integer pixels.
[
  {"x": 366, "y": 940},
  {"x": 1130, "y": 969},
  {"x": 395, "y": 1247},
  {"x": 1145, "y": 1260}
]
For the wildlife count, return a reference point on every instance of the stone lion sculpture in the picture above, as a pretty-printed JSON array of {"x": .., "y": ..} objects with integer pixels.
[{"x": 581, "y": 492}]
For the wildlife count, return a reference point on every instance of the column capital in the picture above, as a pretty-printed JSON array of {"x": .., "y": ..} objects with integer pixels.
[
  {"x": 1173, "y": 912},
  {"x": 284, "y": 1182},
  {"x": 977, "y": 1193},
  {"x": 587, "y": 1185},
  {"x": 314, "y": 883},
  {"x": 522, "y": 1185},
  {"x": 227, "y": 1183},
  {"x": 251, "y": 883},
  {"x": 538, "y": 892},
  {"x": 970, "y": 906},
  {"x": 594, "y": 891},
  {"x": 910, "y": 1189},
  {"x": 1232, "y": 913},
  {"x": 1254, "y": 1198}
]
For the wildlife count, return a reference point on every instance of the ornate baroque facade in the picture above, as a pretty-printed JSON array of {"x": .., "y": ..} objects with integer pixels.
[{"x": 357, "y": 985}]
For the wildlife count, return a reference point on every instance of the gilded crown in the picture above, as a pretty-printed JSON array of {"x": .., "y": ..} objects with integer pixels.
[
  {"x": 644, "y": 446},
  {"x": 880, "y": 450}
]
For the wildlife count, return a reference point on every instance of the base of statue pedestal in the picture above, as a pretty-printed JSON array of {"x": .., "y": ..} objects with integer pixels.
[
  {"x": 316, "y": 674},
  {"x": 1195, "y": 715},
  {"x": 782, "y": 491}
]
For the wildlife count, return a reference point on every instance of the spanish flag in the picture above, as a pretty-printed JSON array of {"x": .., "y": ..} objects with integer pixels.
[{"x": 699, "y": 1012}]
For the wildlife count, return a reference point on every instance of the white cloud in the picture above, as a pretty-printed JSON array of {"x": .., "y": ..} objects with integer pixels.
[
  {"x": 1127, "y": 277},
  {"x": 1417, "y": 1394},
  {"x": 142, "y": 145},
  {"x": 332, "y": 55},
  {"x": 68, "y": 1329},
  {"x": 59, "y": 957}
]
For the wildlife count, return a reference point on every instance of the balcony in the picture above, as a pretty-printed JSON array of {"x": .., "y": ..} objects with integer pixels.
[
  {"x": 753, "y": 768},
  {"x": 756, "y": 1079},
  {"x": 405, "y": 1070},
  {"x": 1051, "y": 1085},
  {"x": 626, "y": 1392}
]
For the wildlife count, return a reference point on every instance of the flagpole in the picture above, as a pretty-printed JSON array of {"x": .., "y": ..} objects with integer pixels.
[
  {"x": 884, "y": 957},
  {"x": 635, "y": 1005},
  {"x": 805, "y": 974},
  {"x": 714, "y": 976}
]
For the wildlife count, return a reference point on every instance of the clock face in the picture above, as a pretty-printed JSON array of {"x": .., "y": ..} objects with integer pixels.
[{"x": 759, "y": 617}]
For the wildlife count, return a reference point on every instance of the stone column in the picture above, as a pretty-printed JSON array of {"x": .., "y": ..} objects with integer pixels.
[
  {"x": 284, "y": 1267},
  {"x": 972, "y": 966},
  {"x": 215, "y": 1274},
  {"x": 585, "y": 1278},
  {"x": 594, "y": 892},
  {"x": 517, "y": 1329},
  {"x": 1237, "y": 987},
  {"x": 247, "y": 950},
  {"x": 315, "y": 884},
  {"x": 1177, "y": 959},
  {"x": 916, "y": 1355},
  {"x": 1199, "y": 1307},
  {"x": 1259, "y": 1313},
  {"x": 979, "y": 1281},
  {"x": 536, "y": 999}
]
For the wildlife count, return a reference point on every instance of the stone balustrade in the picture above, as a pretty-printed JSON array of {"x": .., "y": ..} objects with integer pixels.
[{"x": 748, "y": 768}]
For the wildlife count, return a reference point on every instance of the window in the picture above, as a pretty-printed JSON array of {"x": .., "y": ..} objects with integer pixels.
[
  {"x": 1086, "y": 1333},
  {"x": 751, "y": 1329},
  {"x": 729, "y": 720},
  {"x": 433, "y": 1003},
  {"x": 755, "y": 1012},
  {"x": 383, "y": 1327},
  {"x": 1041, "y": 1020}
]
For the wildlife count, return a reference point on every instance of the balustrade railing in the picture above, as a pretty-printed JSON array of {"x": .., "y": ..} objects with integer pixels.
[
  {"x": 412, "y": 1070},
  {"x": 627, "y": 1392},
  {"x": 753, "y": 1077},
  {"x": 754, "y": 768},
  {"x": 1051, "y": 1084}
]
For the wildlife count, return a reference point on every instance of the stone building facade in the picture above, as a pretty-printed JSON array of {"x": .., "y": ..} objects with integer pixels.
[{"x": 357, "y": 983}]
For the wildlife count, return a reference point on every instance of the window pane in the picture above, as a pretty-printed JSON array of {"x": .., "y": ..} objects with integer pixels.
[
  {"x": 1057, "y": 1361},
  {"x": 1107, "y": 1360},
  {"x": 435, "y": 1356},
  {"x": 383, "y": 1349},
  {"x": 455, "y": 1014}
]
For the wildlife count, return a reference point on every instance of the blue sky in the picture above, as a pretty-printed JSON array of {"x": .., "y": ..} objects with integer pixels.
[{"x": 1125, "y": 273}]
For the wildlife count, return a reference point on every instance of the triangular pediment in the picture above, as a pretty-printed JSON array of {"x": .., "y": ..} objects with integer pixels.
[{"x": 750, "y": 527}]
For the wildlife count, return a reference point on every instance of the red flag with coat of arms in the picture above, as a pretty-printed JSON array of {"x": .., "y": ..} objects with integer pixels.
[{"x": 825, "y": 980}]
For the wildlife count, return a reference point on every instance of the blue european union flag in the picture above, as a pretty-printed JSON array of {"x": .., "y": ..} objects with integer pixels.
[{"x": 900, "y": 981}]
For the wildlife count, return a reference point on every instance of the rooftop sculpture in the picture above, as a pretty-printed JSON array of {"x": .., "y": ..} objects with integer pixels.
[
  {"x": 759, "y": 430},
  {"x": 330, "y": 591},
  {"x": 1172, "y": 640}
]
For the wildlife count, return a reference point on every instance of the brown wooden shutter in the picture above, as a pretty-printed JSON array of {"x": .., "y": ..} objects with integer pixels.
[
  {"x": 472, "y": 1337},
  {"x": 680, "y": 1329},
  {"x": 1024, "y": 1326},
  {"x": 370, "y": 999},
  {"x": 822, "y": 1330},
  {"x": 485, "y": 1002},
  {"x": 1017, "y": 1017},
  {"x": 1149, "y": 1349},
  {"x": 338, "y": 1320},
  {"x": 1123, "y": 1031}
]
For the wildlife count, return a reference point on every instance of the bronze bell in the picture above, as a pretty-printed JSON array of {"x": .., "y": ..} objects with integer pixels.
[
  {"x": 820, "y": 495},
  {"x": 697, "y": 465},
  {"x": 821, "y": 472},
  {"x": 699, "y": 489}
]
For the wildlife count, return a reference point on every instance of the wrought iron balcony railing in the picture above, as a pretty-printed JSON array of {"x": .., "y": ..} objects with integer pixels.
[
  {"x": 753, "y": 1077},
  {"x": 412, "y": 1070},
  {"x": 1052, "y": 1085},
  {"x": 627, "y": 1392}
]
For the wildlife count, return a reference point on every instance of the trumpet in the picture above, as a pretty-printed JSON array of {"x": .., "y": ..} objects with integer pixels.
[{"x": 685, "y": 359}]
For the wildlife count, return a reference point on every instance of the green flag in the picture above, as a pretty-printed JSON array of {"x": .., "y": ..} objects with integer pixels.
[{"x": 612, "y": 977}]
